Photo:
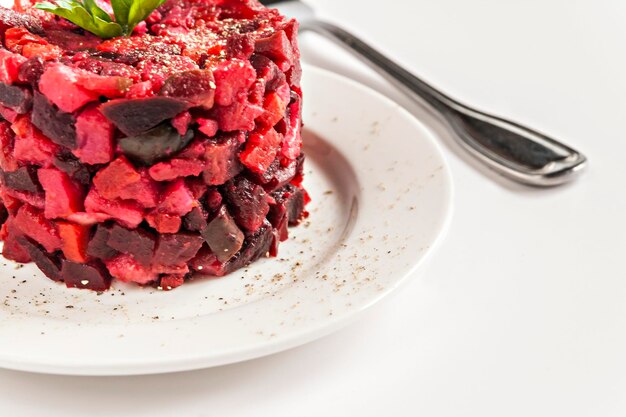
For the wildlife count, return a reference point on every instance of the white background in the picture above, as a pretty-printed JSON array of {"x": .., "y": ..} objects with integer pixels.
[{"x": 521, "y": 312}]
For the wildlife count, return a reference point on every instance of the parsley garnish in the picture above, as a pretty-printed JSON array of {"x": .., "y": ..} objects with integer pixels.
[{"x": 89, "y": 16}]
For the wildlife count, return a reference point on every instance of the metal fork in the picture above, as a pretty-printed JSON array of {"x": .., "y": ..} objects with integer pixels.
[{"x": 515, "y": 151}]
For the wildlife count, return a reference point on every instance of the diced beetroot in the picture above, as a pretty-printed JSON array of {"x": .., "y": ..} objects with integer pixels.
[
  {"x": 213, "y": 199},
  {"x": 128, "y": 213},
  {"x": 127, "y": 269},
  {"x": 63, "y": 196},
  {"x": 164, "y": 222},
  {"x": 94, "y": 137},
  {"x": 11, "y": 248},
  {"x": 93, "y": 276},
  {"x": 176, "y": 168},
  {"x": 59, "y": 83},
  {"x": 155, "y": 144},
  {"x": 49, "y": 264},
  {"x": 31, "y": 146},
  {"x": 8, "y": 114},
  {"x": 292, "y": 142},
  {"x": 118, "y": 175},
  {"x": 10, "y": 66},
  {"x": 270, "y": 76},
  {"x": 33, "y": 224},
  {"x": 177, "y": 199},
  {"x": 260, "y": 150},
  {"x": 247, "y": 203},
  {"x": 238, "y": 116},
  {"x": 207, "y": 126},
  {"x": 158, "y": 70},
  {"x": 18, "y": 99},
  {"x": 30, "y": 71},
  {"x": 274, "y": 106},
  {"x": 57, "y": 125},
  {"x": 177, "y": 249},
  {"x": 137, "y": 243},
  {"x": 36, "y": 200},
  {"x": 13, "y": 19},
  {"x": 277, "y": 47},
  {"x": 67, "y": 163},
  {"x": 98, "y": 246},
  {"x": 206, "y": 263},
  {"x": 288, "y": 208},
  {"x": 171, "y": 281},
  {"x": 195, "y": 149},
  {"x": 181, "y": 122},
  {"x": 75, "y": 239},
  {"x": 109, "y": 86},
  {"x": 255, "y": 246},
  {"x": 7, "y": 143},
  {"x": 221, "y": 159},
  {"x": 240, "y": 45},
  {"x": 22, "y": 179},
  {"x": 257, "y": 93},
  {"x": 223, "y": 236},
  {"x": 72, "y": 40},
  {"x": 196, "y": 87},
  {"x": 277, "y": 175},
  {"x": 121, "y": 180},
  {"x": 136, "y": 116},
  {"x": 196, "y": 219},
  {"x": 232, "y": 78},
  {"x": 196, "y": 187},
  {"x": 4, "y": 214},
  {"x": 12, "y": 205},
  {"x": 279, "y": 220},
  {"x": 140, "y": 90}
]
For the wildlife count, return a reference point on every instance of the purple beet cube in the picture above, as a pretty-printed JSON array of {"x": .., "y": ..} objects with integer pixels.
[
  {"x": 248, "y": 203},
  {"x": 177, "y": 249},
  {"x": 223, "y": 236},
  {"x": 98, "y": 246},
  {"x": 93, "y": 276},
  {"x": 23, "y": 179},
  {"x": 138, "y": 243}
]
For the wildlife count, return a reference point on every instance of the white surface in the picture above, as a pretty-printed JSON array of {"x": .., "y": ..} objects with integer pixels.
[
  {"x": 375, "y": 215},
  {"x": 522, "y": 310}
]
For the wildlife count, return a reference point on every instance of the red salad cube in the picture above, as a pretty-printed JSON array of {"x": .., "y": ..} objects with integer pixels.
[
  {"x": 127, "y": 213},
  {"x": 63, "y": 196},
  {"x": 59, "y": 83},
  {"x": 127, "y": 269},
  {"x": 232, "y": 78},
  {"x": 261, "y": 149},
  {"x": 34, "y": 224},
  {"x": 94, "y": 137}
]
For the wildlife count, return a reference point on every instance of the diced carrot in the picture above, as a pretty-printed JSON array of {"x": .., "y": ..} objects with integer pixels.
[{"x": 75, "y": 239}]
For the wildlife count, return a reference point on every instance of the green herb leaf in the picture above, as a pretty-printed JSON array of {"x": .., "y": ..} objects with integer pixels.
[
  {"x": 88, "y": 15},
  {"x": 140, "y": 10},
  {"x": 75, "y": 12},
  {"x": 121, "y": 9},
  {"x": 96, "y": 11}
]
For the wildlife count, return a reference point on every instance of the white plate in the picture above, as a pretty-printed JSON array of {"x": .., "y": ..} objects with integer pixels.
[{"x": 381, "y": 200}]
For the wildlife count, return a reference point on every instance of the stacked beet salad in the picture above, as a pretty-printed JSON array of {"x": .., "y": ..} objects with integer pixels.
[{"x": 149, "y": 158}]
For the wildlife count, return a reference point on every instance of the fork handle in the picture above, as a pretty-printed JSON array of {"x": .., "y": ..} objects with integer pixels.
[{"x": 515, "y": 151}]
